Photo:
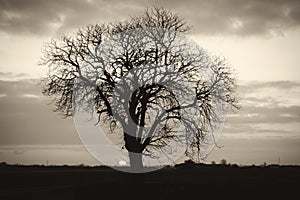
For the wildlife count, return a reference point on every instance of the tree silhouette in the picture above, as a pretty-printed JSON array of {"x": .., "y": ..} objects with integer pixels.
[
  {"x": 132, "y": 72},
  {"x": 223, "y": 162}
]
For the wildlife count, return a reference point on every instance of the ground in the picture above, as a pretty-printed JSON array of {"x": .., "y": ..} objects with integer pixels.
[{"x": 180, "y": 182}]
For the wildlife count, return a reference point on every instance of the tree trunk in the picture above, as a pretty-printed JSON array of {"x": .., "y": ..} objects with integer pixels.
[
  {"x": 136, "y": 162},
  {"x": 135, "y": 150}
]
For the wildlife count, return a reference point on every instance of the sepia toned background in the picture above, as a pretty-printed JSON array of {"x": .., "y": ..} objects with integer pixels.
[{"x": 258, "y": 38}]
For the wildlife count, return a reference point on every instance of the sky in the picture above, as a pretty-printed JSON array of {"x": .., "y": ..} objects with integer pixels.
[{"x": 258, "y": 38}]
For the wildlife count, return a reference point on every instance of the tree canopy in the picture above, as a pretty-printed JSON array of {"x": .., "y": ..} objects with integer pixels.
[{"x": 144, "y": 76}]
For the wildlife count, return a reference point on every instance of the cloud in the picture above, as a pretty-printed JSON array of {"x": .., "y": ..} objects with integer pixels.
[
  {"x": 31, "y": 96},
  {"x": 264, "y": 113},
  {"x": 268, "y": 102},
  {"x": 250, "y": 17},
  {"x": 33, "y": 16},
  {"x": 249, "y": 86},
  {"x": 32, "y": 133},
  {"x": 14, "y": 88},
  {"x": 19, "y": 152},
  {"x": 270, "y": 94},
  {"x": 269, "y": 109},
  {"x": 42, "y": 16},
  {"x": 261, "y": 130},
  {"x": 256, "y": 114},
  {"x": 13, "y": 76},
  {"x": 24, "y": 120}
]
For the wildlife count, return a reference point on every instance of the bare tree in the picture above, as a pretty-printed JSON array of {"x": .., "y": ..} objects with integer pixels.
[{"x": 134, "y": 70}]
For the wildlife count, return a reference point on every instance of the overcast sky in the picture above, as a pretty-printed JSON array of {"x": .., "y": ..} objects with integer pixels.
[{"x": 259, "y": 38}]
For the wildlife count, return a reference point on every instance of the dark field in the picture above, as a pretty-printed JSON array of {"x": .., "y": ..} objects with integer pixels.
[{"x": 180, "y": 182}]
